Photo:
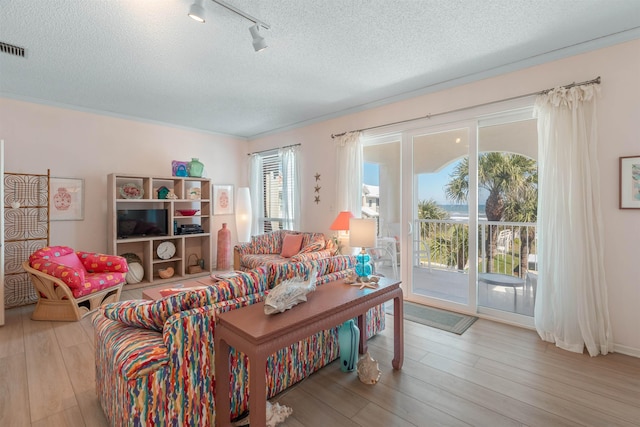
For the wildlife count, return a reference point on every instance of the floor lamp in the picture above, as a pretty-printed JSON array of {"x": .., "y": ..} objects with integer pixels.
[{"x": 243, "y": 215}]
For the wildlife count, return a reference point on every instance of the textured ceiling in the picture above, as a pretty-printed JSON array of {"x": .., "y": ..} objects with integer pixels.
[{"x": 146, "y": 59}]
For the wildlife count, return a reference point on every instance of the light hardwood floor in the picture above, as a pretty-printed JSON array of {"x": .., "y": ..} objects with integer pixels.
[{"x": 492, "y": 375}]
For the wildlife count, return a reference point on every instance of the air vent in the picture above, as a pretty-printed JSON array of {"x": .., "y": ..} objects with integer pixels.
[{"x": 11, "y": 49}]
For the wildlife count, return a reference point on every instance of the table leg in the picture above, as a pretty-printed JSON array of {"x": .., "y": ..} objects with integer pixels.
[
  {"x": 257, "y": 390},
  {"x": 398, "y": 332},
  {"x": 223, "y": 404},
  {"x": 363, "y": 334}
]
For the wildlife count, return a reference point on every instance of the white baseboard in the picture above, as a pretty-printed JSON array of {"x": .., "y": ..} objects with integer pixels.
[{"x": 629, "y": 351}]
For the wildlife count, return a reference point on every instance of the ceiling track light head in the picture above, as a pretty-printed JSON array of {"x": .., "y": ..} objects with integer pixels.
[
  {"x": 259, "y": 42},
  {"x": 196, "y": 11}
]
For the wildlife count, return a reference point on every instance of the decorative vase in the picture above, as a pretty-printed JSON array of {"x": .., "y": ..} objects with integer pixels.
[
  {"x": 348, "y": 341},
  {"x": 195, "y": 168},
  {"x": 224, "y": 248}
]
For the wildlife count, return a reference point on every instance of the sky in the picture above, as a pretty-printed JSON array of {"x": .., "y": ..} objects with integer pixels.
[{"x": 430, "y": 186}]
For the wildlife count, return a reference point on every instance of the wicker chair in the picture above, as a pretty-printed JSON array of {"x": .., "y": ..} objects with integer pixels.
[{"x": 72, "y": 284}]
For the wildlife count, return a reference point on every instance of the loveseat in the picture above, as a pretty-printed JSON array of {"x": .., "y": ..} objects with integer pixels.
[
  {"x": 155, "y": 359},
  {"x": 281, "y": 246}
]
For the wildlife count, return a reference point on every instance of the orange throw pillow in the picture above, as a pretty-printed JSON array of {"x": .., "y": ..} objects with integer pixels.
[{"x": 291, "y": 244}]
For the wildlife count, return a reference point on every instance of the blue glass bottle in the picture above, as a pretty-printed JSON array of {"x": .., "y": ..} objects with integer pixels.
[{"x": 348, "y": 341}]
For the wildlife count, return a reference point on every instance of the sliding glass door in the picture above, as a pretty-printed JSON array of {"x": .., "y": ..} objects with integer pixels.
[
  {"x": 460, "y": 200},
  {"x": 381, "y": 200},
  {"x": 443, "y": 210}
]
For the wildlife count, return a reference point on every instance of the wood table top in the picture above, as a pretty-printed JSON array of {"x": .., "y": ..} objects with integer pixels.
[{"x": 252, "y": 323}]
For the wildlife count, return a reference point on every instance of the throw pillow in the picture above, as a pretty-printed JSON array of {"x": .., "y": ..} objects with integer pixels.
[
  {"x": 291, "y": 245},
  {"x": 150, "y": 314},
  {"x": 316, "y": 244}
]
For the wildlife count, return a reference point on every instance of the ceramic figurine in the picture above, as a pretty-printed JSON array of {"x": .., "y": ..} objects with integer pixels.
[{"x": 368, "y": 371}]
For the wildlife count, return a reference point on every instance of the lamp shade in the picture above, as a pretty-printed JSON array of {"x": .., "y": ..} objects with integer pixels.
[
  {"x": 362, "y": 232},
  {"x": 243, "y": 215},
  {"x": 342, "y": 221}
]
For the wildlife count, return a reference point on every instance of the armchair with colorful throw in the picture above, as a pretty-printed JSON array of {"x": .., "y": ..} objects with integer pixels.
[{"x": 71, "y": 284}]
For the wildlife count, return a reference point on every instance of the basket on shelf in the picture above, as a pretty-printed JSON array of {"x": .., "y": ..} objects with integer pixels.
[{"x": 196, "y": 267}]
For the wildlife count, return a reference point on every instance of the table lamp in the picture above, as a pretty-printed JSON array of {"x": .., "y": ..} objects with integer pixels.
[
  {"x": 362, "y": 232},
  {"x": 341, "y": 223}
]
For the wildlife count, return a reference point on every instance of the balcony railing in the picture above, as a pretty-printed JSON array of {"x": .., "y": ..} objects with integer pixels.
[{"x": 503, "y": 247}]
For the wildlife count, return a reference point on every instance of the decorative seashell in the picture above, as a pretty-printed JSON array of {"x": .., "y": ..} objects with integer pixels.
[
  {"x": 374, "y": 279},
  {"x": 368, "y": 371},
  {"x": 135, "y": 273},
  {"x": 350, "y": 278}
]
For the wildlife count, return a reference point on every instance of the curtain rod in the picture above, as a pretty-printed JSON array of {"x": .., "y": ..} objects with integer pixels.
[
  {"x": 428, "y": 116},
  {"x": 272, "y": 149}
]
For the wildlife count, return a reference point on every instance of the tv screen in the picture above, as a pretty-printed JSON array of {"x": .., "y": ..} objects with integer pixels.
[{"x": 142, "y": 222}]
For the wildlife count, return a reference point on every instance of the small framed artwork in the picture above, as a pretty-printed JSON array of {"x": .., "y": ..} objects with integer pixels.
[
  {"x": 630, "y": 182},
  {"x": 66, "y": 199},
  {"x": 222, "y": 199}
]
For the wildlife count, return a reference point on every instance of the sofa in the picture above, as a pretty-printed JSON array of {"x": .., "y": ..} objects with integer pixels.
[
  {"x": 282, "y": 246},
  {"x": 155, "y": 359}
]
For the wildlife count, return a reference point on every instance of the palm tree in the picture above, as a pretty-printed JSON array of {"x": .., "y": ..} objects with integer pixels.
[
  {"x": 429, "y": 209},
  {"x": 499, "y": 174},
  {"x": 522, "y": 206},
  {"x": 451, "y": 247}
]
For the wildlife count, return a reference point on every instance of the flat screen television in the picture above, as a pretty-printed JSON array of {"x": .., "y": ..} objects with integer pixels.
[{"x": 142, "y": 222}]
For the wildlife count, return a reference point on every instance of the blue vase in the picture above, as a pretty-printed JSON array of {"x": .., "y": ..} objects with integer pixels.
[{"x": 348, "y": 340}]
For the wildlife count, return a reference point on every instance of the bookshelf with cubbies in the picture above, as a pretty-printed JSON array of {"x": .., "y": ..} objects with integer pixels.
[{"x": 181, "y": 208}]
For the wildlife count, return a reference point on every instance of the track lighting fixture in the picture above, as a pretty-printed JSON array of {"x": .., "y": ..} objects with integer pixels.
[
  {"x": 197, "y": 12},
  {"x": 258, "y": 41}
]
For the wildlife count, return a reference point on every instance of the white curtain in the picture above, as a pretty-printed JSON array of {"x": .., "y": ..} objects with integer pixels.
[
  {"x": 290, "y": 187},
  {"x": 349, "y": 173},
  {"x": 257, "y": 194},
  {"x": 571, "y": 302}
]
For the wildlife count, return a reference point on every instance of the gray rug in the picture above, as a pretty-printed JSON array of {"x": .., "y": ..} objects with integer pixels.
[{"x": 437, "y": 318}]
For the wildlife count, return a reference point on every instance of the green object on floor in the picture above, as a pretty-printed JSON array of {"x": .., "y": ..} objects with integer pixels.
[{"x": 437, "y": 318}]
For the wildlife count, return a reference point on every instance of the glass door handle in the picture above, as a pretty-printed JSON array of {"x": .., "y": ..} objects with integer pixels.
[{"x": 410, "y": 227}]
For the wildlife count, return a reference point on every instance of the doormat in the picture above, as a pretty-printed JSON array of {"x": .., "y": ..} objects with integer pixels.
[{"x": 437, "y": 318}]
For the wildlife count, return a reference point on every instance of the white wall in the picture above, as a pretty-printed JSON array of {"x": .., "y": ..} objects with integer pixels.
[
  {"x": 619, "y": 135},
  {"x": 84, "y": 145},
  {"x": 89, "y": 146}
]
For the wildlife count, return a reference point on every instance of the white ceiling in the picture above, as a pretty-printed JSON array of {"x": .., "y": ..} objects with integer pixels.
[{"x": 146, "y": 59}]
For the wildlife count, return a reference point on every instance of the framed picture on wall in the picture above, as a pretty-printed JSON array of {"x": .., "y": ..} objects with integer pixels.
[
  {"x": 630, "y": 182},
  {"x": 66, "y": 199},
  {"x": 222, "y": 199}
]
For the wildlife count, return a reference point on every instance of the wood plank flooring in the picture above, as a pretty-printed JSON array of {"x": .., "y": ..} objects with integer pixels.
[{"x": 492, "y": 375}]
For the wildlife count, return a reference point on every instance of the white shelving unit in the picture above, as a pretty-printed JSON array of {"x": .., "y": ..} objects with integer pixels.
[{"x": 187, "y": 245}]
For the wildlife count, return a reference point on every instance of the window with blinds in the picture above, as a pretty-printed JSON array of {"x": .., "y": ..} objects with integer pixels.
[{"x": 272, "y": 192}]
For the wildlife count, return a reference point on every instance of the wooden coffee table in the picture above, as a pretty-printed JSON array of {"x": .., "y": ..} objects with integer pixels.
[
  {"x": 259, "y": 335},
  {"x": 156, "y": 292}
]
